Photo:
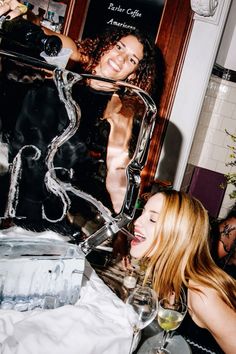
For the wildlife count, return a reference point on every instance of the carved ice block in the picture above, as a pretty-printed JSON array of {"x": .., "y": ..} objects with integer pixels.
[{"x": 39, "y": 273}]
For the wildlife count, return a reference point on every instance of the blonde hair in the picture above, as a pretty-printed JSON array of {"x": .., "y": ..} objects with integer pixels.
[{"x": 180, "y": 250}]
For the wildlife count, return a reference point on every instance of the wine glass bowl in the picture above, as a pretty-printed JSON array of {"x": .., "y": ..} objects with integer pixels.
[
  {"x": 170, "y": 316},
  {"x": 144, "y": 302},
  {"x": 145, "y": 305}
]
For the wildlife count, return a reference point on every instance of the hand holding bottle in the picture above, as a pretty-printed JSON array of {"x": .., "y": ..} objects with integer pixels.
[{"x": 12, "y": 8}]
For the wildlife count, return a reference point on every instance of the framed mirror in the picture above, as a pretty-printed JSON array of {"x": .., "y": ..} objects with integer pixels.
[{"x": 172, "y": 33}]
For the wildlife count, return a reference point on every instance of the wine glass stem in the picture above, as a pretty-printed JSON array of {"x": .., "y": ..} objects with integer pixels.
[
  {"x": 164, "y": 338},
  {"x": 134, "y": 337}
]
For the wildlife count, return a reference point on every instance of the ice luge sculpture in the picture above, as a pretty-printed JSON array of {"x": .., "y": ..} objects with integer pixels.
[{"x": 46, "y": 273}]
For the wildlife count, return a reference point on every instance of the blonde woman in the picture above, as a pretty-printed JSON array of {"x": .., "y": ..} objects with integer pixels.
[{"x": 172, "y": 234}]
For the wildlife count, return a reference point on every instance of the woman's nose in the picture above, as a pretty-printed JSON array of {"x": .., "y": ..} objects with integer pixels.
[
  {"x": 121, "y": 57},
  {"x": 139, "y": 221}
]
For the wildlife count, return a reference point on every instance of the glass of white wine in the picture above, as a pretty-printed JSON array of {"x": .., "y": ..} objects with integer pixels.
[{"x": 170, "y": 315}]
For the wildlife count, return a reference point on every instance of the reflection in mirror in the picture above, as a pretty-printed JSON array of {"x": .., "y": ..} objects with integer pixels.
[{"x": 76, "y": 146}]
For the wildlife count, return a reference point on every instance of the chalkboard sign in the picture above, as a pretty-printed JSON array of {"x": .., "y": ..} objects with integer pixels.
[{"x": 144, "y": 15}]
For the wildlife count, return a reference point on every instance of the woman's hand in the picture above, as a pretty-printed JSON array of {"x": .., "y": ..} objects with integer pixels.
[{"x": 12, "y": 8}]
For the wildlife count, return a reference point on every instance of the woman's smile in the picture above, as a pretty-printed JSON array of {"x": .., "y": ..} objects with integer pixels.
[{"x": 114, "y": 65}]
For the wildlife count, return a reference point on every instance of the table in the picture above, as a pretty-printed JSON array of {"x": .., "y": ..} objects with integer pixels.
[{"x": 113, "y": 274}]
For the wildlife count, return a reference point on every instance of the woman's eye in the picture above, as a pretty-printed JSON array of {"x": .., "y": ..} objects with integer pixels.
[
  {"x": 118, "y": 46},
  {"x": 153, "y": 221},
  {"x": 133, "y": 61}
]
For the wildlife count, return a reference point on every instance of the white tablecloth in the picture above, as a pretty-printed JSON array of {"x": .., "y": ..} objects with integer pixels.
[{"x": 97, "y": 324}]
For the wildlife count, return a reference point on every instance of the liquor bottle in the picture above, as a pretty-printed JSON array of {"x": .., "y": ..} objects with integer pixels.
[{"x": 30, "y": 35}]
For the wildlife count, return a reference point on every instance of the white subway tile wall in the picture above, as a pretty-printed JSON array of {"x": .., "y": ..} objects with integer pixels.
[{"x": 211, "y": 143}]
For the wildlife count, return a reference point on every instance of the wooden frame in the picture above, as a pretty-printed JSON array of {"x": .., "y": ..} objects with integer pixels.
[
  {"x": 75, "y": 17},
  {"x": 172, "y": 39}
]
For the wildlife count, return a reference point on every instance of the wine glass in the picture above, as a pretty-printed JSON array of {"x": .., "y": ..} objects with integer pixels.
[
  {"x": 170, "y": 315},
  {"x": 144, "y": 302}
]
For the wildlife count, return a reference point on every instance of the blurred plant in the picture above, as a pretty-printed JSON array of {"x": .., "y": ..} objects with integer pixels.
[{"x": 231, "y": 176}]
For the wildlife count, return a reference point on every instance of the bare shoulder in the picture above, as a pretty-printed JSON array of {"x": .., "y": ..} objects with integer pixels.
[
  {"x": 201, "y": 297},
  {"x": 209, "y": 311}
]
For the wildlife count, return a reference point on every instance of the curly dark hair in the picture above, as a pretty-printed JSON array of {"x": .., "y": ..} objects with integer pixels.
[{"x": 94, "y": 48}]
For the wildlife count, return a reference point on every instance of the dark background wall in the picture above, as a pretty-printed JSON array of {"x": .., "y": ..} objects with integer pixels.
[{"x": 142, "y": 14}]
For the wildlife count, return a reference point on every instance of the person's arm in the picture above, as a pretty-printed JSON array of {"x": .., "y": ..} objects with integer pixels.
[
  {"x": 13, "y": 8},
  {"x": 67, "y": 42},
  {"x": 209, "y": 311},
  {"x": 226, "y": 243}
]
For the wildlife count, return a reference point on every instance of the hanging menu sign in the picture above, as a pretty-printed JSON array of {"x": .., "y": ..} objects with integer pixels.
[{"x": 144, "y": 15}]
